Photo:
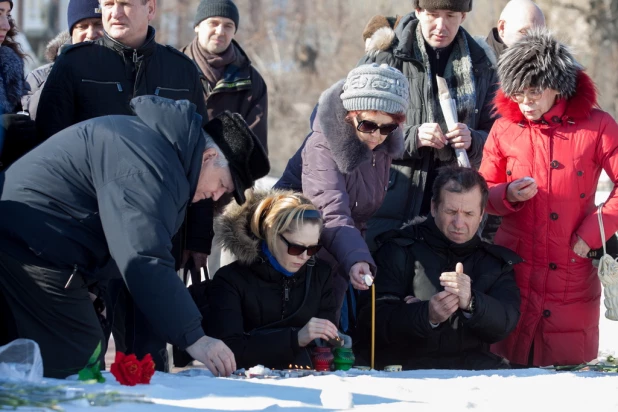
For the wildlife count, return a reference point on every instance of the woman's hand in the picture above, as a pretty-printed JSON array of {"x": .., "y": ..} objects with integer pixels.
[
  {"x": 521, "y": 190},
  {"x": 357, "y": 275},
  {"x": 581, "y": 248},
  {"x": 316, "y": 328}
]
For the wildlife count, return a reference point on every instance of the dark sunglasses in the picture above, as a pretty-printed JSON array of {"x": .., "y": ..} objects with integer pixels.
[
  {"x": 367, "y": 126},
  {"x": 296, "y": 250}
]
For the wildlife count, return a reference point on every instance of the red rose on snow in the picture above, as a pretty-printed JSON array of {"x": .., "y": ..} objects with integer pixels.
[
  {"x": 148, "y": 368},
  {"x": 127, "y": 369}
]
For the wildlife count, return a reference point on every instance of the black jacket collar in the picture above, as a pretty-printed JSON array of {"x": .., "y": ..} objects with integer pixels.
[{"x": 145, "y": 50}]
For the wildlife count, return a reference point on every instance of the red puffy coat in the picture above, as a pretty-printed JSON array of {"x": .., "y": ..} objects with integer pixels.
[{"x": 564, "y": 153}]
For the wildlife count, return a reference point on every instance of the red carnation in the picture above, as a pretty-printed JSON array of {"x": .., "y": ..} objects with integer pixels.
[
  {"x": 127, "y": 369},
  {"x": 148, "y": 368}
]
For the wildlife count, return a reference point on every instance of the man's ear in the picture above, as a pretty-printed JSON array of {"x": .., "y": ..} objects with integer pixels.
[
  {"x": 463, "y": 16},
  {"x": 417, "y": 12},
  {"x": 500, "y": 28},
  {"x": 152, "y": 10},
  {"x": 434, "y": 209},
  {"x": 209, "y": 154}
]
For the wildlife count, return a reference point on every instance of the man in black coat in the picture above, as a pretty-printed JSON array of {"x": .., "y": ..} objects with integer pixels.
[
  {"x": 442, "y": 295},
  {"x": 115, "y": 187},
  {"x": 92, "y": 79}
]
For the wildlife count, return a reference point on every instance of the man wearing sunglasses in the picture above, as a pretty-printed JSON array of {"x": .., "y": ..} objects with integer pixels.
[
  {"x": 443, "y": 295},
  {"x": 428, "y": 42}
]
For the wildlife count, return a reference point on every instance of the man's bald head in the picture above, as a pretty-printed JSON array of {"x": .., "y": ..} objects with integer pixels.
[{"x": 517, "y": 18}]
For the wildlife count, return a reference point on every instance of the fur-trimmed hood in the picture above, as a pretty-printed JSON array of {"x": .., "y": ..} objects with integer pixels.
[
  {"x": 232, "y": 228},
  {"x": 53, "y": 47},
  {"x": 577, "y": 107},
  {"x": 379, "y": 33},
  {"x": 347, "y": 149}
]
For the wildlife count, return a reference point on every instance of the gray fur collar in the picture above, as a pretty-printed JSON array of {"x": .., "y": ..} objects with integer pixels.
[
  {"x": 347, "y": 149},
  {"x": 12, "y": 80},
  {"x": 53, "y": 47},
  {"x": 232, "y": 228}
]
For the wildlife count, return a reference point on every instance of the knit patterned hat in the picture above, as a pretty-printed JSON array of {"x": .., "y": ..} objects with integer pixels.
[
  {"x": 452, "y": 5},
  {"x": 82, "y": 9},
  {"x": 376, "y": 87},
  {"x": 217, "y": 8}
]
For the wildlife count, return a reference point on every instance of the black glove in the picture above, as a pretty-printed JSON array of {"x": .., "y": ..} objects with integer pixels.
[{"x": 19, "y": 137}]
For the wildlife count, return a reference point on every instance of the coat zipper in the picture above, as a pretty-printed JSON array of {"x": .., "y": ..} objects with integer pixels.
[
  {"x": 158, "y": 89},
  {"x": 137, "y": 60},
  {"x": 118, "y": 85},
  {"x": 374, "y": 159}
]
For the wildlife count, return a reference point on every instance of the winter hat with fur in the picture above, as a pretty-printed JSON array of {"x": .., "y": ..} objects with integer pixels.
[
  {"x": 376, "y": 87},
  {"x": 538, "y": 60},
  {"x": 453, "y": 5}
]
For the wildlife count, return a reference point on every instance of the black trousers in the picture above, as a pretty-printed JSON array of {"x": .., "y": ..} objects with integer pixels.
[{"x": 41, "y": 307}]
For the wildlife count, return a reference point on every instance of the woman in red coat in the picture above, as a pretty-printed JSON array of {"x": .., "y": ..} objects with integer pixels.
[{"x": 542, "y": 162}]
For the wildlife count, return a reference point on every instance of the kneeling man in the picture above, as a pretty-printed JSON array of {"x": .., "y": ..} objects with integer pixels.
[
  {"x": 115, "y": 187},
  {"x": 443, "y": 295}
]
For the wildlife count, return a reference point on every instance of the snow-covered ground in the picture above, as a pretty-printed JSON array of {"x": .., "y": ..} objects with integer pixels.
[{"x": 426, "y": 390}]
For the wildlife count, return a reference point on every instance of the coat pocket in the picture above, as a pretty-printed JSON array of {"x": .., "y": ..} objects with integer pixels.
[
  {"x": 173, "y": 93},
  {"x": 105, "y": 85}
]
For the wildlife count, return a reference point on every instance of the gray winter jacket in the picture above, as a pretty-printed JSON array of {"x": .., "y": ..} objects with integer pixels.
[
  {"x": 37, "y": 77},
  {"x": 114, "y": 187},
  {"x": 408, "y": 176},
  {"x": 344, "y": 178}
]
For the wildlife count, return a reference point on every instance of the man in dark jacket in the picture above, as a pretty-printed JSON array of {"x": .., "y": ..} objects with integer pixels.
[
  {"x": 442, "y": 295},
  {"x": 517, "y": 17},
  {"x": 428, "y": 42},
  {"x": 116, "y": 187},
  {"x": 92, "y": 79},
  {"x": 85, "y": 24},
  {"x": 228, "y": 80}
]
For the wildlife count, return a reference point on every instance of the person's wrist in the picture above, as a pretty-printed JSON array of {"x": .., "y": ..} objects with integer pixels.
[{"x": 469, "y": 308}]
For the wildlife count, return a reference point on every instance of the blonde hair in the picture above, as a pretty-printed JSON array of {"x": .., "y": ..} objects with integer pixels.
[{"x": 281, "y": 213}]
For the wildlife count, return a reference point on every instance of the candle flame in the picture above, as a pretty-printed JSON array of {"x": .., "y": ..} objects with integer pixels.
[
  {"x": 290, "y": 366},
  {"x": 296, "y": 366}
]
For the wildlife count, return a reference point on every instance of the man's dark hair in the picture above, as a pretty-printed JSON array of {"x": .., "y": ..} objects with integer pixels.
[{"x": 463, "y": 180}]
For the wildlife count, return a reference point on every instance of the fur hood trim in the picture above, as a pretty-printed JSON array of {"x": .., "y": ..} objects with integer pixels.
[
  {"x": 579, "y": 106},
  {"x": 12, "y": 82},
  {"x": 347, "y": 149},
  {"x": 379, "y": 33},
  {"x": 53, "y": 47},
  {"x": 538, "y": 60},
  {"x": 232, "y": 228}
]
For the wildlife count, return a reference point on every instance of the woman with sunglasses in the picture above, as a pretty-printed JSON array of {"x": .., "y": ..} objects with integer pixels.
[
  {"x": 542, "y": 162},
  {"x": 271, "y": 303},
  {"x": 343, "y": 165}
]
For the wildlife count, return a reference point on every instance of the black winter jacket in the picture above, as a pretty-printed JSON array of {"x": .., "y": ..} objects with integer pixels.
[
  {"x": 93, "y": 79},
  {"x": 114, "y": 187},
  {"x": 410, "y": 262},
  {"x": 250, "y": 294}
]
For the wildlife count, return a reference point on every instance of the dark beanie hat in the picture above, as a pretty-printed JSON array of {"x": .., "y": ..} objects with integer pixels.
[
  {"x": 452, "y": 5},
  {"x": 82, "y": 9},
  {"x": 243, "y": 151},
  {"x": 217, "y": 8}
]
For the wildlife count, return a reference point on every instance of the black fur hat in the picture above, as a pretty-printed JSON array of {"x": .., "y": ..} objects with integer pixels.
[
  {"x": 245, "y": 154},
  {"x": 538, "y": 60},
  {"x": 453, "y": 5}
]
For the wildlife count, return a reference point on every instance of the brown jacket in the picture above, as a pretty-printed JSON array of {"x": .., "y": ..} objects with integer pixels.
[{"x": 241, "y": 90}]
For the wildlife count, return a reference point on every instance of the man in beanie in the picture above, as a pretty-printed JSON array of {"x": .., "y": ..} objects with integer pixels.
[
  {"x": 85, "y": 24},
  {"x": 229, "y": 82},
  {"x": 116, "y": 187},
  {"x": 517, "y": 17},
  {"x": 92, "y": 79},
  {"x": 430, "y": 42}
]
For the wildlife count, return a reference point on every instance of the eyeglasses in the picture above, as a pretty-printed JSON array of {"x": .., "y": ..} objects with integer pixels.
[
  {"x": 296, "y": 250},
  {"x": 367, "y": 126},
  {"x": 532, "y": 95}
]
